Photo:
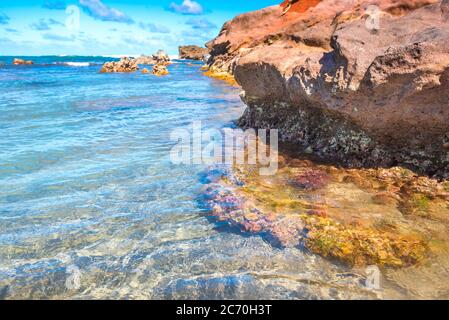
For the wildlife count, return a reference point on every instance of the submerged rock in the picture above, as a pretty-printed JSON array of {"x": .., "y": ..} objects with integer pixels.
[
  {"x": 17, "y": 61},
  {"x": 387, "y": 217},
  {"x": 145, "y": 70},
  {"x": 311, "y": 180},
  {"x": 363, "y": 84},
  {"x": 193, "y": 53},
  {"x": 124, "y": 65}
]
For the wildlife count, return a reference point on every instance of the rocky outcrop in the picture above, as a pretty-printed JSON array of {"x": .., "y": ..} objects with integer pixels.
[
  {"x": 145, "y": 60},
  {"x": 192, "y": 52},
  {"x": 124, "y": 65},
  {"x": 161, "y": 57},
  {"x": 361, "y": 83},
  {"x": 132, "y": 64},
  {"x": 17, "y": 62},
  {"x": 159, "y": 70}
]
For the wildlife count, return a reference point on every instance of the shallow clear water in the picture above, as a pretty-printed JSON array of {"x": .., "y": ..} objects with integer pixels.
[{"x": 92, "y": 207}]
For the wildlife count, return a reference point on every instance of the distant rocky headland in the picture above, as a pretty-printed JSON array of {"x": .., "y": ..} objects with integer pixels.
[
  {"x": 360, "y": 84},
  {"x": 193, "y": 53}
]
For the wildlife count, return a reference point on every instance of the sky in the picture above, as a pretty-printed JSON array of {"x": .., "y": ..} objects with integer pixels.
[{"x": 113, "y": 27}]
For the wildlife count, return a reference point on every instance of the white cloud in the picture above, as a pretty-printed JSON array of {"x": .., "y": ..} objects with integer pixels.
[
  {"x": 98, "y": 10},
  {"x": 187, "y": 7}
]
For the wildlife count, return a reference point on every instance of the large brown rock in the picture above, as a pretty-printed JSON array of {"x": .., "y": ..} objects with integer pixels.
[
  {"x": 161, "y": 57},
  {"x": 124, "y": 65},
  {"x": 145, "y": 60},
  {"x": 192, "y": 52},
  {"x": 362, "y": 83}
]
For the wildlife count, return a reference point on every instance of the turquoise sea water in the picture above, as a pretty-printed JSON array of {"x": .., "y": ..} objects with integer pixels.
[{"x": 92, "y": 207}]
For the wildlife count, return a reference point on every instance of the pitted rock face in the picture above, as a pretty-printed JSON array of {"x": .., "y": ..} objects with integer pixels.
[
  {"x": 381, "y": 65},
  {"x": 445, "y": 8}
]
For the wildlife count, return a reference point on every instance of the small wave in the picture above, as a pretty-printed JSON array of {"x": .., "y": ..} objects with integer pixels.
[
  {"x": 69, "y": 64},
  {"x": 77, "y": 64}
]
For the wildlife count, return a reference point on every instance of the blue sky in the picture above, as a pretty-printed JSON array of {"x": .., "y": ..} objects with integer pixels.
[{"x": 110, "y": 27}]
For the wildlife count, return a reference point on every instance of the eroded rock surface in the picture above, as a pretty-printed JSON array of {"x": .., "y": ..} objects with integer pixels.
[{"x": 362, "y": 83}]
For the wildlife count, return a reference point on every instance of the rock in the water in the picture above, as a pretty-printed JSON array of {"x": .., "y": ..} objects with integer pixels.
[
  {"x": 193, "y": 53},
  {"x": 124, "y": 65},
  {"x": 362, "y": 84},
  {"x": 145, "y": 71},
  {"x": 145, "y": 60},
  {"x": 161, "y": 57},
  {"x": 17, "y": 62},
  {"x": 159, "y": 70}
]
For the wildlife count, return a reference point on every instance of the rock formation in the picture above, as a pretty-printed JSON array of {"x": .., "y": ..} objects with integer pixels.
[
  {"x": 145, "y": 60},
  {"x": 161, "y": 57},
  {"x": 159, "y": 70},
  {"x": 192, "y": 52},
  {"x": 132, "y": 64},
  {"x": 17, "y": 61},
  {"x": 360, "y": 83},
  {"x": 124, "y": 65}
]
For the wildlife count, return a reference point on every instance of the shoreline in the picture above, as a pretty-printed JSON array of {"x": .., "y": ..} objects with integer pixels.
[
  {"x": 392, "y": 194},
  {"x": 311, "y": 75}
]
